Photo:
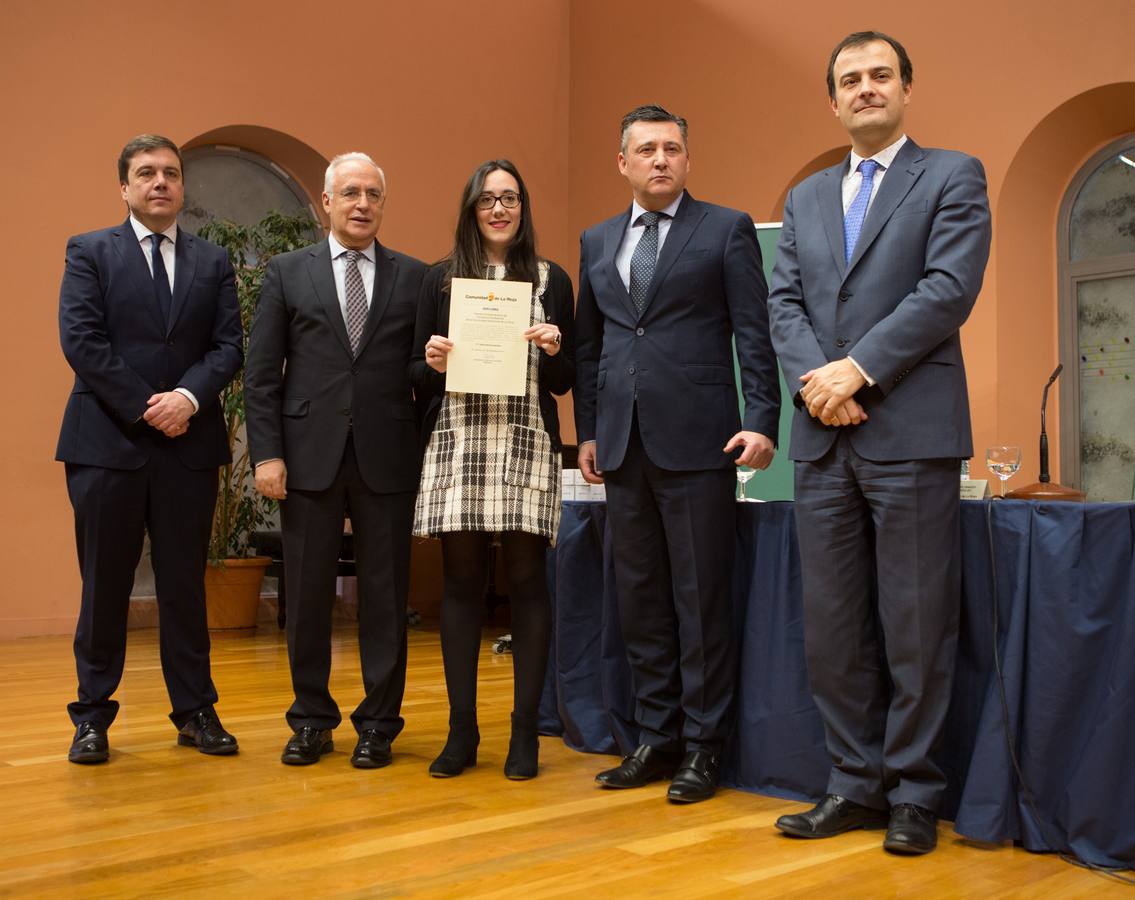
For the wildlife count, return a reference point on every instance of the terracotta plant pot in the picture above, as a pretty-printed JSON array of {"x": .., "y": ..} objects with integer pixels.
[{"x": 232, "y": 592}]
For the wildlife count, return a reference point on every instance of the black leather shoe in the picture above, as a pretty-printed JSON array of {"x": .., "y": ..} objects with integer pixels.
[
  {"x": 306, "y": 746},
  {"x": 89, "y": 744},
  {"x": 372, "y": 751},
  {"x": 831, "y": 816},
  {"x": 205, "y": 732},
  {"x": 645, "y": 765},
  {"x": 696, "y": 778},
  {"x": 913, "y": 830}
]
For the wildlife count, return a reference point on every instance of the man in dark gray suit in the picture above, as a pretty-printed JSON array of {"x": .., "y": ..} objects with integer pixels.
[
  {"x": 664, "y": 289},
  {"x": 880, "y": 261},
  {"x": 332, "y": 429}
]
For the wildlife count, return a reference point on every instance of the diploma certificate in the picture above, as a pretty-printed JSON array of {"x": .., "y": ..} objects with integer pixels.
[{"x": 487, "y": 321}]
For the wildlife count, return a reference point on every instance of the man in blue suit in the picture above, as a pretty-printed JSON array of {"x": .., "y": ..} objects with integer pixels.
[
  {"x": 149, "y": 322},
  {"x": 880, "y": 261},
  {"x": 664, "y": 289}
]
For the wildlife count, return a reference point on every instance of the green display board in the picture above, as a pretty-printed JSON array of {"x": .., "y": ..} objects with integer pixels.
[{"x": 775, "y": 483}]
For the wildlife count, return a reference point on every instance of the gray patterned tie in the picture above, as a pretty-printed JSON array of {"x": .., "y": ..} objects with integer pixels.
[
  {"x": 356, "y": 300},
  {"x": 643, "y": 259}
]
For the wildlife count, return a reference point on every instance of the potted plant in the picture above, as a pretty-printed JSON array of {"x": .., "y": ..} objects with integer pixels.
[{"x": 233, "y": 577}]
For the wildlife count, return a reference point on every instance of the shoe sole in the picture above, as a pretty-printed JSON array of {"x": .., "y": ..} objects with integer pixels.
[
  {"x": 370, "y": 763},
  {"x": 628, "y": 787},
  {"x": 812, "y": 835},
  {"x": 88, "y": 759},
  {"x": 904, "y": 849},
  {"x": 685, "y": 799},
  {"x": 184, "y": 741},
  {"x": 301, "y": 761}
]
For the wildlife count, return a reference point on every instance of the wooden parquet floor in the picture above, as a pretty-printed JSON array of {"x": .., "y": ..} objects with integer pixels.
[{"x": 162, "y": 820}]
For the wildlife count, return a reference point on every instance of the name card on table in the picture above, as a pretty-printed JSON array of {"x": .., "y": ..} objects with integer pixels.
[{"x": 975, "y": 489}]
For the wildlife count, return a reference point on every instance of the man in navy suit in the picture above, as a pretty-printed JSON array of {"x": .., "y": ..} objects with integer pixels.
[
  {"x": 880, "y": 261},
  {"x": 149, "y": 322},
  {"x": 333, "y": 430},
  {"x": 664, "y": 289}
]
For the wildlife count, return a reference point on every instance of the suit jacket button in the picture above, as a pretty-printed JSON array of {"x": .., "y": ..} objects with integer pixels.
[
  {"x": 844, "y": 295},
  {"x": 354, "y": 371},
  {"x": 640, "y": 331},
  {"x": 842, "y": 342},
  {"x": 169, "y": 342},
  {"x": 630, "y": 371},
  {"x": 162, "y": 385}
]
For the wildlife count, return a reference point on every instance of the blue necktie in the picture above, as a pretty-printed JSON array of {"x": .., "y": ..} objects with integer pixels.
[
  {"x": 161, "y": 278},
  {"x": 857, "y": 212},
  {"x": 643, "y": 260}
]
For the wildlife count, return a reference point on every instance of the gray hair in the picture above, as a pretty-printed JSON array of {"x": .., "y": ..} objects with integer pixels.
[{"x": 354, "y": 156}]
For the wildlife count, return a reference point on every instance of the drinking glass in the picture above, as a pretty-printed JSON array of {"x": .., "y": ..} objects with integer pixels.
[
  {"x": 1003, "y": 462},
  {"x": 744, "y": 473}
]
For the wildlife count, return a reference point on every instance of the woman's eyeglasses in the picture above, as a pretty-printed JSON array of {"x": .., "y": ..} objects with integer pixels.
[{"x": 509, "y": 200}]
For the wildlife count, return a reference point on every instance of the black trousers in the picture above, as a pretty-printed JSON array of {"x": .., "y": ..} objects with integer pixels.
[
  {"x": 312, "y": 524},
  {"x": 881, "y": 669},
  {"x": 673, "y": 535},
  {"x": 114, "y": 508}
]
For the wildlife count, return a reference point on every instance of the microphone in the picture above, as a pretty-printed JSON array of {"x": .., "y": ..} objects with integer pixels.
[
  {"x": 1044, "y": 477},
  {"x": 1044, "y": 489}
]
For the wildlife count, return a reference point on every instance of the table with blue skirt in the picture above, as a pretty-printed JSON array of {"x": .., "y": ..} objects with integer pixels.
[{"x": 1065, "y": 576}]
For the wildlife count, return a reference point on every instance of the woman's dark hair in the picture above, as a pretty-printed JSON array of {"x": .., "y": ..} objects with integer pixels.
[{"x": 468, "y": 259}]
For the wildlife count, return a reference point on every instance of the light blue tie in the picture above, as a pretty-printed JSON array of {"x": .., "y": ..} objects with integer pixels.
[{"x": 857, "y": 212}]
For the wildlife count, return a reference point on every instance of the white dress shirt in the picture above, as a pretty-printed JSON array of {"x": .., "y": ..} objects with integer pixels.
[
  {"x": 853, "y": 180},
  {"x": 366, "y": 264},
  {"x": 634, "y": 233},
  {"x": 168, "y": 251}
]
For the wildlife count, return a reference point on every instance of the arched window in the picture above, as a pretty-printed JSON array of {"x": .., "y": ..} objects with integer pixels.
[
  {"x": 1097, "y": 326},
  {"x": 226, "y": 182}
]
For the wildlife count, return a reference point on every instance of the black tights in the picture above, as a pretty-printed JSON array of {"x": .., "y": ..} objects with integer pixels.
[{"x": 465, "y": 558}]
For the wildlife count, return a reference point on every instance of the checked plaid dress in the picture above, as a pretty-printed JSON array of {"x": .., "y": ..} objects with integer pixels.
[{"x": 490, "y": 465}]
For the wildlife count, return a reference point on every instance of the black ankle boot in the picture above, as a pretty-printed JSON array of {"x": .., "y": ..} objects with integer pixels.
[
  {"x": 460, "y": 750},
  {"x": 523, "y": 749}
]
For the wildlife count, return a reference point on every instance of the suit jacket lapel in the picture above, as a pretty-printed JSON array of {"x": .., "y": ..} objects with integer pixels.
[
  {"x": 830, "y": 191},
  {"x": 900, "y": 178},
  {"x": 185, "y": 266},
  {"x": 385, "y": 275},
  {"x": 686, "y": 218},
  {"x": 612, "y": 239},
  {"x": 134, "y": 262},
  {"x": 323, "y": 282}
]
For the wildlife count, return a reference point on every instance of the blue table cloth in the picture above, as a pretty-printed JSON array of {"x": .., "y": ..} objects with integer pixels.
[{"x": 1065, "y": 618}]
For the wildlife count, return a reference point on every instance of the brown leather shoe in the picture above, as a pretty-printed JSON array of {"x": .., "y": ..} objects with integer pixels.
[
  {"x": 645, "y": 765},
  {"x": 831, "y": 816}
]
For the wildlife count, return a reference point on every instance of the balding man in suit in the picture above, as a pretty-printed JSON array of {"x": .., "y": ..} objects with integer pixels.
[{"x": 333, "y": 431}]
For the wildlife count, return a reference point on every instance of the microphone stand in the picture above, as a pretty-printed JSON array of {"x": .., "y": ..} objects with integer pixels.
[{"x": 1045, "y": 488}]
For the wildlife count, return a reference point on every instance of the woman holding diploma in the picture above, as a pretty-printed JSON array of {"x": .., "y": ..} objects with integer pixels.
[{"x": 492, "y": 463}]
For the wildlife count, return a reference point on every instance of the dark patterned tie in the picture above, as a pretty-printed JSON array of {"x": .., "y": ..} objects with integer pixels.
[
  {"x": 643, "y": 259},
  {"x": 857, "y": 211},
  {"x": 356, "y": 300},
  {"x": 161, "y": 277}
]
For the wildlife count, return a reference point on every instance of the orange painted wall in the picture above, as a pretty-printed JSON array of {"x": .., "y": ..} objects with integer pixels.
[
  {"x": 432, "y": 88},
  {"x": 427, "y": 88}
]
